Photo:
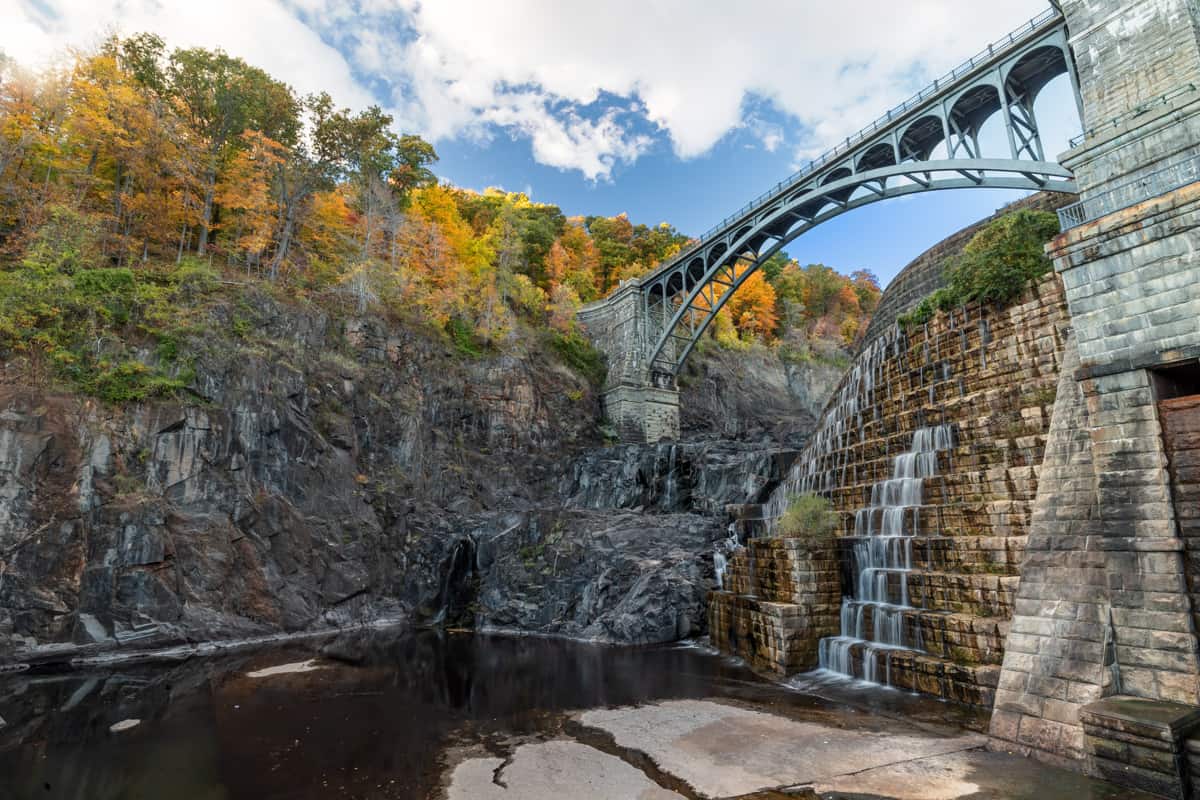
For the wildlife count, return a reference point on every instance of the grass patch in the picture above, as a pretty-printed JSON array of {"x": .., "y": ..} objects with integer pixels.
[{"x": 808, "y": 516}]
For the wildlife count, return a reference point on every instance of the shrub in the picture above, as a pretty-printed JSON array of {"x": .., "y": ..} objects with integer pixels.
[
  {"x": 93, "y": 325},
  {"x": 995, "y": 266},
  {"x": 462, "y": 336},
  {"x": 193, "y": 277},
  {"x": 1001, "y": 260},
  {"x": 808, "y": 517},
  {"x": 578, "y": 354},
  {"x": 67, "y": 241}
]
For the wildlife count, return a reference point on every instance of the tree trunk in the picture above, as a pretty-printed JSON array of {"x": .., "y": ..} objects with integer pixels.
[
  {"x": 285, "y": 240},
  {"x": 210, "y": 185}
]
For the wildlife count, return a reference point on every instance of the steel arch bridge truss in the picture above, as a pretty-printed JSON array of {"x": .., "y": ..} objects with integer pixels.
[{"x": 894, "y": 159}]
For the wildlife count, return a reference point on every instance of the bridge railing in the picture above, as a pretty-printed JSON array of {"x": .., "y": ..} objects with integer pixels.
[
  {"x": 1137, "y": 111},
  {"x": 881, "y": 122},
  {"x": 1130, "y": 193}
]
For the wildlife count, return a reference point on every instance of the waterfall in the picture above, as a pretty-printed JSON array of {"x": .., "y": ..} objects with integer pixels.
[
  {"x": 872, "y": 619},
  {"x": 724, "y": 551},
  {"x": 826, "y": 460},
  {"x": 669, "y": 486}
]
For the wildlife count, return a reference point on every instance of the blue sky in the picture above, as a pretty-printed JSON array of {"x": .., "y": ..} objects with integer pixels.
[{"x": 668, "y": 110}]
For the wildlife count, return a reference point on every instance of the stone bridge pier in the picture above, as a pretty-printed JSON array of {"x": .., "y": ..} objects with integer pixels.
[{"x": 643, "y": 405}]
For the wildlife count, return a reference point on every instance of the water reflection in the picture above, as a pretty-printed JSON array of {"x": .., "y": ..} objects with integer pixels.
[{"x": 374, "y": 722}]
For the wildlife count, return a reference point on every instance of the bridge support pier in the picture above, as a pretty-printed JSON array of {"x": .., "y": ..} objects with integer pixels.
[
  {"x": 641, "y": 405},
  {"x": 644, "y": 413}
]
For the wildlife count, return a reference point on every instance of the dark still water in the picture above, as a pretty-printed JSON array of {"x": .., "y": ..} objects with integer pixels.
[{"x": 373, "y": 715}]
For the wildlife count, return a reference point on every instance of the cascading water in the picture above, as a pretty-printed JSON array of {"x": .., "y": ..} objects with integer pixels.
[
  {"x": 725, "y": 550},
  {"x": 824, "y": 463},
  {"x": 872, "y": 620}
]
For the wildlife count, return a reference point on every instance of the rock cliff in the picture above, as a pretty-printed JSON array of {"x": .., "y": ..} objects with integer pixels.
[{"x": 337, "y": 469}]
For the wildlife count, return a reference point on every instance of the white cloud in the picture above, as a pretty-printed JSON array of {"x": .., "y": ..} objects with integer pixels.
[
  {"x": 566, "y": 140},
  {"x": 263, "y": 32},
  {"x": 534, "y": 67},
  {"x": 693, "y": 65}
]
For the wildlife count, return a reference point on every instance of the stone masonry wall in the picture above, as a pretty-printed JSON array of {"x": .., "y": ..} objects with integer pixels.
[
  {"x": 1103, "y": 607},
  {"x": 615, "y": 327},
  {"x": 1128, "y": 52},
  {"x": 1181, "y": 433},
  {"x": 926, "y": 273},
  {"x": 1132, "y": 280},
  {"x": 782, "y": 596},
  {"x": 992, "y": 374},
  {"x": 639, "y": 410},
  {"x": 1054, "y": 653}
]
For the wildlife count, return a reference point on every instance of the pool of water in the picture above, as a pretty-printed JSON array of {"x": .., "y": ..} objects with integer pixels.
[
  {"x": 360, "y": 716},
  {"x": 397, "y": 714}
]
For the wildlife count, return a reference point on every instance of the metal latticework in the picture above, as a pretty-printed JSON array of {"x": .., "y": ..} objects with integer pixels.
[{"x": 930, "y": 142}]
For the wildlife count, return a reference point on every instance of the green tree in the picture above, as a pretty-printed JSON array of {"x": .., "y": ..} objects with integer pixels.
[{"x": 221, "y": 97}]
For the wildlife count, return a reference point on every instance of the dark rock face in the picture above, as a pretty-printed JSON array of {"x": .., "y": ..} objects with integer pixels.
[
  {"x": 703, "y": 477},
  {"x": 332, "y": 472},
  {"x": 608, "y": 576},
  {"x": 752, "y": 396}
]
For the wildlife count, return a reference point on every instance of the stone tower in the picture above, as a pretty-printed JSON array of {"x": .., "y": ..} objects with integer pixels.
[
  {"x": 643, "y": 407},
  {"x": 1104, "y": 618}
]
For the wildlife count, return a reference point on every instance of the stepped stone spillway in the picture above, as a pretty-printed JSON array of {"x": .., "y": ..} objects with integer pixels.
[
  {"x": 873, "y": 620},
  {"x": 989, "y": 375}
]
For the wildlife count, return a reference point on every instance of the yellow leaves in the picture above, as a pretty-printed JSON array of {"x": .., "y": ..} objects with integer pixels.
[
  {"x": 244, "y": 192},
  {"x": 574, "y": 260},
  {"x": 749, "y": 313},
  {"x": 564, "y": 302}
]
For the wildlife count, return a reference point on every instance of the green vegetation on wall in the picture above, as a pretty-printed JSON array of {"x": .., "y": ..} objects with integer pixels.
[
  {"x": 997, "y": 264},
  {"x": 808, "y": 516},
  {"x": 111, "y": 331}
]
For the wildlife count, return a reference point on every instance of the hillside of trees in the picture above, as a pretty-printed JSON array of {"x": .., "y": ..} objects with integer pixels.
[{"x": 135, "y": 181}]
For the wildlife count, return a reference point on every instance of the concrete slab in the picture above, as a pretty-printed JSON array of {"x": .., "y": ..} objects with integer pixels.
[
  {"x": 975, "y": 774},
  {"x": 552, "y": 771},
  {"x": 724, "y": 750}
]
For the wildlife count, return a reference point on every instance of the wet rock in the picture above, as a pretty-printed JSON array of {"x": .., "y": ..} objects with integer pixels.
[
  {"x": 617, "y": 577},
  {"x": 755, "y": 396},
  {"x": 702, "y": 477},
  {"x": 90, "y": 630}
]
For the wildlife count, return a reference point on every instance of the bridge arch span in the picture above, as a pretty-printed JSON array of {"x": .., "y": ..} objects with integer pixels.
[
  {"x": 931, "y": 142},
  {"x": 691, "y": 315}
]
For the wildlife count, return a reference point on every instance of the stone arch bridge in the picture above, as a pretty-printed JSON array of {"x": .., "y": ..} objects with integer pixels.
[{"x": 931, "y": 142}]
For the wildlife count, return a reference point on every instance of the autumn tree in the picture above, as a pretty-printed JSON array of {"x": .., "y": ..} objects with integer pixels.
[
  {"x": 752, "y": 308},
  {"x": 221, "y": 96}
]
